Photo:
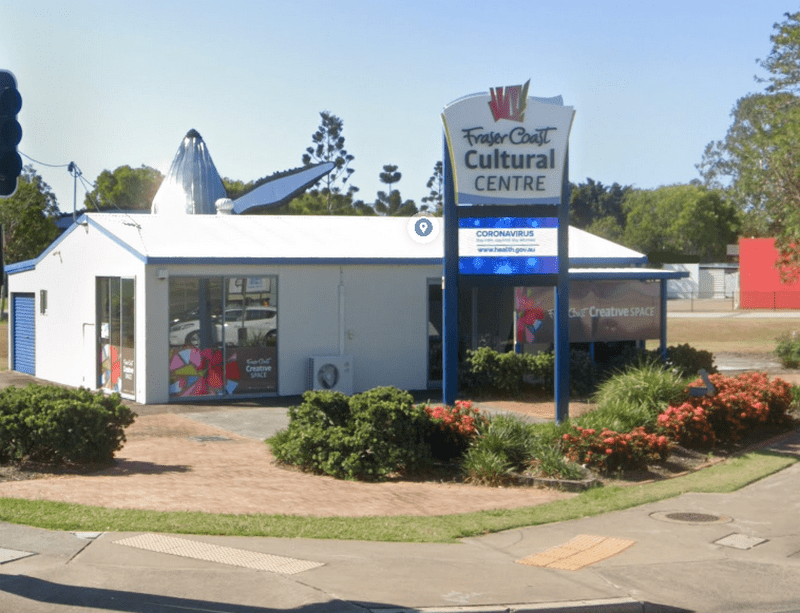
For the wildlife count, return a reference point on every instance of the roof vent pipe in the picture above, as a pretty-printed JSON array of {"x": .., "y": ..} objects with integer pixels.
[{"x": 224, "y": 206}]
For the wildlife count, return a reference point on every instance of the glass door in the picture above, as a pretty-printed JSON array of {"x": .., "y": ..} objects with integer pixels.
[{"x": 115, "y": 298}]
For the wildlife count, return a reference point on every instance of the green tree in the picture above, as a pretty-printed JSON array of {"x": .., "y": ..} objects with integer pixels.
[
  {"x": 747, "y": 163},
  {"x": 28, "y": 218},
  {"x": 328, "y": 146},
  {"x": 435, "y": 197},
  {"x": 320, "y": 202},
  {"x": 783, "y": 62},
  {"x": 391, "y": 204},
  {"x": 686, "y": 219},
  {"x": 125, "y": 188},
  {"x": 236, "y": 189},
  {"x": 592, "y": 202},
  {"x": 758, "y": 160},
  {"x": 390, "y": 175}
]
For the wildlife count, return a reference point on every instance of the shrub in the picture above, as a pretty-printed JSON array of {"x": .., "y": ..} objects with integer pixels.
[
  {"x": 607, "y": 450},
  {"x": 510, "y": 437},
  {"x": 549, "y": 462},
  {"x": 492, "y": 371},
  {"x": 51, "y": 424},
  {"x": 635, "y": 397},
  {"x": 483, "y": 466},
  {"x": 367, "y": 436},
  {"x": 687, "y": 361},
  {"x": 454, "y": 428},
  {"x": 688, "y": 426},
  {"x": 542, "y": 367},
  {"x": 788, "y": 350},
  {"x": 582, "y": 373},
  {"x": 744, "y": 402}
]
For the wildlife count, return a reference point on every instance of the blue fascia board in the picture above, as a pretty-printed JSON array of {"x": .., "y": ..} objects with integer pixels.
[
  {"x": 606, "y": 262},
  {"x": 23, "y": 266},
  {"x": 272, "y": 261},
  {"x": 633, "y": 273},
  {"x": 31, "y": 264}
]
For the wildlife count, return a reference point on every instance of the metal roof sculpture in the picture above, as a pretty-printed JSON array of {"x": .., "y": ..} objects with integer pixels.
[{"x": 192, "y": 185}]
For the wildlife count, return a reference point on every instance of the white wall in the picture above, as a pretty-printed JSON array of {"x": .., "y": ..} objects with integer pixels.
[
  {"x": 66, "y": 338},
  {"x": 683, "y": 288},
  {"x": 385, "y": 322}
]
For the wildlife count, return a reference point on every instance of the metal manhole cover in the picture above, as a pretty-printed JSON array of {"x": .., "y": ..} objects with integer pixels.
[
  {"x": 691, "y": 518},
  {"x": 209, "y": 439}
]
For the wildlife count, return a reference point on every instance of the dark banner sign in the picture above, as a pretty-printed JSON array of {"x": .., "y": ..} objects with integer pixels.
[
  {"x": 258, "y": 370},
  {"x": 599, "y": 311}
]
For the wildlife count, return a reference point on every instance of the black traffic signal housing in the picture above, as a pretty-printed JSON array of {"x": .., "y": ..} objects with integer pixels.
[{"x": 10, "y": 134}]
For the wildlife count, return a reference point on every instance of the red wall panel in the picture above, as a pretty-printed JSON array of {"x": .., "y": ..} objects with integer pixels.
[{"x": 759, "y": 280}]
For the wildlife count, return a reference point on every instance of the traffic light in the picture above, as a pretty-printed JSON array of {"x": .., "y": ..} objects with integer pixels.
[{"x": 10, "y": 134}]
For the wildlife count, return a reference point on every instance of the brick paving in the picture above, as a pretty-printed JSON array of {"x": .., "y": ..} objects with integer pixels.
[{"x": 166, "y": 465}]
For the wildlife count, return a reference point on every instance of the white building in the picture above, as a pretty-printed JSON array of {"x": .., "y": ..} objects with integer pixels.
[{"x": 184, "y": 304}]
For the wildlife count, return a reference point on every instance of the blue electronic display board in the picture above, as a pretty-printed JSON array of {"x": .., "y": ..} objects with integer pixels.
[{"x": 508, "y": 245}]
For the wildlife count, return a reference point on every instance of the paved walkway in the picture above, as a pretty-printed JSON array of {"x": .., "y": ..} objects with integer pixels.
[{"x": 741, "y": 551}]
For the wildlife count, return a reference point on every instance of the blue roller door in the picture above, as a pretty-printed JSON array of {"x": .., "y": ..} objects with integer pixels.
[{"x": 24, "y": 311}]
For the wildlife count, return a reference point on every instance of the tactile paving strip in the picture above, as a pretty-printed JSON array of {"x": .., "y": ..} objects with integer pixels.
[
  {"x": 215, "y": 553},
  {"x": 9, "y": 555},
  {"x": 579, "y": 552}
]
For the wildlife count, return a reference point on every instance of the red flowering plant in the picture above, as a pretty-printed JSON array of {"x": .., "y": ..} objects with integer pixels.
[
  {"x": 607, "y": 451},
  {"x": 744, "y": 402},
  {"x": 688, "y": 426},
  {"x": 454, "y": 428}
]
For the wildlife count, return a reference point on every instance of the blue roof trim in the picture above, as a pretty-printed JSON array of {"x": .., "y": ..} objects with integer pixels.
[
  {"x": 606, "y": 262},
  {"x": 211, "y": 261},
  {"x": 23, "y": 266},
  {"x": 31, "y": 264},
  {"x": 632, "y": 273}
]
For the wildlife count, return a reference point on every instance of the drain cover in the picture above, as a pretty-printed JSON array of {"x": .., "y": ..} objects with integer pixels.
[
  {"x": 691, "y": 518},
  {"x": 740, "y": 541},
  {"x": 209, "y": 439}
]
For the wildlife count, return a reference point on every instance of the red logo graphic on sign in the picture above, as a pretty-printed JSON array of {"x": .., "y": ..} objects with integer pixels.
[{"x": 509, "y": 102}]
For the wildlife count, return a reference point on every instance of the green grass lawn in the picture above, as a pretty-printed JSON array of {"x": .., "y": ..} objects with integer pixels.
[
  {"x": 722, "y": 478},
  {"x": 711, "y": 334},
  {"x": 727, "y": 334}
]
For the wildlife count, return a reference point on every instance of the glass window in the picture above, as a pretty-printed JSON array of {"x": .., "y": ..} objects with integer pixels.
[{"x": 223, "y": 338}]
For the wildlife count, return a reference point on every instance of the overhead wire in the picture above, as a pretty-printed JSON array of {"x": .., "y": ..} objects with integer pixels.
[{"x": 88, "y": 187}]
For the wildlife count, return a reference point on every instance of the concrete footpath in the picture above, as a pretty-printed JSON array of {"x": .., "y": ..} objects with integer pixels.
[{"x": 697, "y": 552}]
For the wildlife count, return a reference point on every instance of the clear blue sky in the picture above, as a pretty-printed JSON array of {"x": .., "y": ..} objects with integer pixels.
[{"x": 107, "y": 83}]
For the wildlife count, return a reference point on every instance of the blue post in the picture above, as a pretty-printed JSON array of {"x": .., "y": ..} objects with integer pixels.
[
  {"x": 562, "y": 386},
  {"x": 450, "y": 289},
  {"x": 663, "y": 348}
]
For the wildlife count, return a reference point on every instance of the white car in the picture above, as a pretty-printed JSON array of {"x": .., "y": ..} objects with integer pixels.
[{"x": 253, "y": 325}]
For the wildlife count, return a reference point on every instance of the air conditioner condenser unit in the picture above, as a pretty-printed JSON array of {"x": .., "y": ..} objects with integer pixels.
[{"x": 331, "y": 373}]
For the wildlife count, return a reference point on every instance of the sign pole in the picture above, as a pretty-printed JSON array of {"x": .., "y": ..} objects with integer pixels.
[
  {"x": 562, "y": 384},
  {"x": 450, "y": 287},
  {"x": 506, "y": 210}
]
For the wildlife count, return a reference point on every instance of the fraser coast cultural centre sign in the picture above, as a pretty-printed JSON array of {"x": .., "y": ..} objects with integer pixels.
[
  {"x": 506, "y": 210},
  {"x": 508, "y": 148}
]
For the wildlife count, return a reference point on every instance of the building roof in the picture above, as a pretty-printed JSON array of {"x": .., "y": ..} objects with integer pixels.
[{"x": 302, "y": 239}]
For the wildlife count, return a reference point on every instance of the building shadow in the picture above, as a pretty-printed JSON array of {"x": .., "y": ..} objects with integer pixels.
[{"x": 101, "y": 599}]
